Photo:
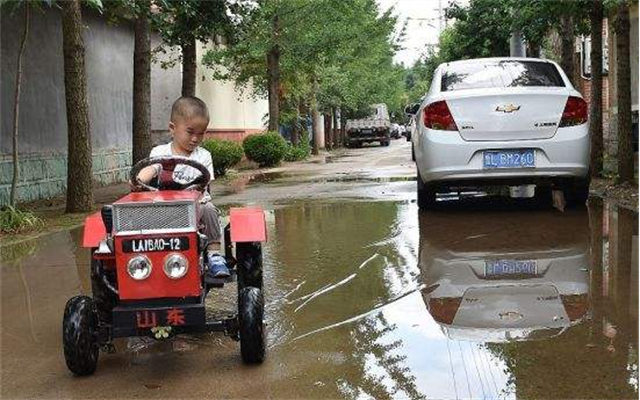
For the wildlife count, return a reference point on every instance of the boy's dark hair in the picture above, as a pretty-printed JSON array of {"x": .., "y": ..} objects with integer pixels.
[{"x": 189, "y": 107}]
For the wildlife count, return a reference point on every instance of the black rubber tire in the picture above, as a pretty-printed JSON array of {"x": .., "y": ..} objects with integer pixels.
[
  {"x": 249, "y": 266},
  {"x": 251, "y": 325},
  {"x": 385, "y": 143},
  {"x": 79, "y": 335},
  {"x": 576, "y": 193},
  {"x": 426, "y": 194},
  {"x": 413, "y": 154},
  {"x": 105, "y": 300},
  {"x": 543, "y": 196}
]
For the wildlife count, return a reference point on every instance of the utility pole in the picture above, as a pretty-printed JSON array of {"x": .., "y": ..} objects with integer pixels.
[
  {"x": 516, "y": 44},
  {"x": 439, "y": 17}
]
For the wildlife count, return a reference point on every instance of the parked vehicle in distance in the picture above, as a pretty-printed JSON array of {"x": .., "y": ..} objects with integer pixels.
[
  {"x": 374, "y": 128},
  {"x": 395, "y": 131},
  {"x": 501, "y": 121}
]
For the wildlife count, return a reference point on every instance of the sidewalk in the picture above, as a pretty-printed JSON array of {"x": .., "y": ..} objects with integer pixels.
[{"x": 51, "y": 211}]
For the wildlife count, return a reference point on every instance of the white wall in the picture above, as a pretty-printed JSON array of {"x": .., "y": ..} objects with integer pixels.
[{"x": 229, "y": 109}]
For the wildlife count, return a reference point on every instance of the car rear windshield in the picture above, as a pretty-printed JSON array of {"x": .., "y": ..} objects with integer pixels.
[{"x": 498, "y": 74}]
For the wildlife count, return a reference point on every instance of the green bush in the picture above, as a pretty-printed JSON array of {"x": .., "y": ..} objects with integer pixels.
[
  {"x": 13, "y": 220},
  {"x": 266, "y": 149},
  {"x": 224, "y": 153},
  {"x": 296, "y": 153}
]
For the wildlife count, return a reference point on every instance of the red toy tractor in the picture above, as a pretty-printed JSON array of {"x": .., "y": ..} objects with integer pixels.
[{"x": 147, "y": 271}]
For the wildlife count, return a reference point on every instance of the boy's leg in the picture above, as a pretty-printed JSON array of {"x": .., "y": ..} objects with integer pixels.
[{"x": 210, "y": 218}]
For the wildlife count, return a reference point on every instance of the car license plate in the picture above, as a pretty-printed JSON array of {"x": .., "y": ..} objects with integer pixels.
[
  {"x": 366, "y": 131},
  {"x": 507, "y": 268},
  {"x": 520, "y": 158},
  {"x": 155, "y": 244}
]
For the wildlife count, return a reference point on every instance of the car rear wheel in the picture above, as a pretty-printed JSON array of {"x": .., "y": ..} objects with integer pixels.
[
  {"x": 79, "y": 335},
  {"x": 251, "y": 325},
  {"x": 576, "y": 193},
  {"x": 426, "y": 195}
]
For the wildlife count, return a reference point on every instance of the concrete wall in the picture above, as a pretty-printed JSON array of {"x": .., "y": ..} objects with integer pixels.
[
  {"x": 166, "y": 84},
  {"x": 43, "y": 126},
  {"x": 234, "y": 114}
]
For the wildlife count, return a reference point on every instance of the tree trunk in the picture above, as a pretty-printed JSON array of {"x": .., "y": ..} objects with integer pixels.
[
  {"x": 189, "y": 68},
  {"x": 141, "y": 88},
  {"x": 79, "y": 165},
  {"x": 335, "y": 134},
  {"x": 315, "y": 117},
  {"x": 295, "y": 133},
  {"x": 625, "y": 151},
  {"x": 595, "y": 117},
  {"x": 328, "y": 140},
  {"x": 534, "y": 50},
  {"x": 273, "y": 75},
  {"x": 343, "y": 130},
  {"x": 16, "y": 108},
  {"x": 567, "y": 38}
]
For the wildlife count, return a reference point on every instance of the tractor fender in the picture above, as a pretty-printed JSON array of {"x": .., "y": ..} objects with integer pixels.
[
  {"x": 94, "y": 231},
  {"x": 247, "y": 225}
]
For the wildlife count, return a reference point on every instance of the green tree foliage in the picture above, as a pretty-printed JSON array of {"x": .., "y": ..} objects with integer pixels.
[
  {"x": 184, "y": 22},
  {"x": 483, "y": 29},
  {"x": 345, "y": 49}
]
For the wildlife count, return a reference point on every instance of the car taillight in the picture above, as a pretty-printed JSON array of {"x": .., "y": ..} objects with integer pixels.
[
  {"x": 575, "y": 305},
  {"x": 444, "y": 309},
  {"x": 575, "y": 112},
  {"x": 437, "y": 116}
]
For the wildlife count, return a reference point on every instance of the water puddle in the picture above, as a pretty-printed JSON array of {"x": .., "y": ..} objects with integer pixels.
[{"x": 372, "y": 300}]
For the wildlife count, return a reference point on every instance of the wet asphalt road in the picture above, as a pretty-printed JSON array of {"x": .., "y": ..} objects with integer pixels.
[{"x": 368, "y": 298}]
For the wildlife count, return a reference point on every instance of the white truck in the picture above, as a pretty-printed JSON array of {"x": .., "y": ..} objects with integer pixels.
[{"x": 374, "y": 128}]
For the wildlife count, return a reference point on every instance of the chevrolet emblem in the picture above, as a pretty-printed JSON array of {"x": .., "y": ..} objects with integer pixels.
[{"x": 508, "y": 108}]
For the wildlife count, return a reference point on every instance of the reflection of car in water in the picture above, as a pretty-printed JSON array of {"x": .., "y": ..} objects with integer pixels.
[{"x": 496, "y": 277}]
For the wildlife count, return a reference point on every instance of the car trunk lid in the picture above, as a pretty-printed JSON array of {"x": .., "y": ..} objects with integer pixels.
[{"x": 503, "y": 114}]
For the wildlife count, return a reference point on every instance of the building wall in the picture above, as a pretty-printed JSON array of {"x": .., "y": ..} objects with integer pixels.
[
  {"x": 43, "y": 122},
  {"x": 234, "y": 114}
]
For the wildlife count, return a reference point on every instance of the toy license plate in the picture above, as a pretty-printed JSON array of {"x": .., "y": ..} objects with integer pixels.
[
  {"x": 519, "y": 158},
  {"x": 152, "y": 317},
  {"x": 155, "y": 244}
]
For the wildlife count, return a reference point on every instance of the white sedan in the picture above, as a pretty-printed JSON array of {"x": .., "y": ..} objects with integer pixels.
[{"x": 501, "y": 121}]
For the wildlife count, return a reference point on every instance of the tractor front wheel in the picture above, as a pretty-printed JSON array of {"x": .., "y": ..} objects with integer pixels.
[
  {"x": 249, "y": 256},
  {"x": 79, "y": 335},
  {"x": 251, "y": 325}
]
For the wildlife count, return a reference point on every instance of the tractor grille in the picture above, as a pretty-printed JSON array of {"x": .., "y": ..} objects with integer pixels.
[{"x": 153, "y": 217}]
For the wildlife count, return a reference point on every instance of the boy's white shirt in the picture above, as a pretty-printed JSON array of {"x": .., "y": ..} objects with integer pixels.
[{"x": 184, "y": 174}]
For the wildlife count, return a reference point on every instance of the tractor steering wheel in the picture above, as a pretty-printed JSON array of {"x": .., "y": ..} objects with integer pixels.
[{"x": 165, "y": 176}]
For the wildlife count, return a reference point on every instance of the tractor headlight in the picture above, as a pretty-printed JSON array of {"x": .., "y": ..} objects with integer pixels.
[
  {"x": 175, "y": 266},
  {"x": 139, "y": 268}
]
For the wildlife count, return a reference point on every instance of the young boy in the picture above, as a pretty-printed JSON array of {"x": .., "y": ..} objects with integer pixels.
[{"x": 189, "y": 121}]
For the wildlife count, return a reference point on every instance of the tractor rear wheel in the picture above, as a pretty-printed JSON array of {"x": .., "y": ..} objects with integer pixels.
[
  {"x": 251, "y": 325},
  {"x": 249, "y": 256},
  {"x": 79, "y": 335}
]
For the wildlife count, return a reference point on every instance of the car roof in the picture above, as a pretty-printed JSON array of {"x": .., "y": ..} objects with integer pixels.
[{"x": 476, "y": 60}]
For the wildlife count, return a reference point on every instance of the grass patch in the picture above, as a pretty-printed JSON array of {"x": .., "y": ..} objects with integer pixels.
[{"x": 14, "y": 221}]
